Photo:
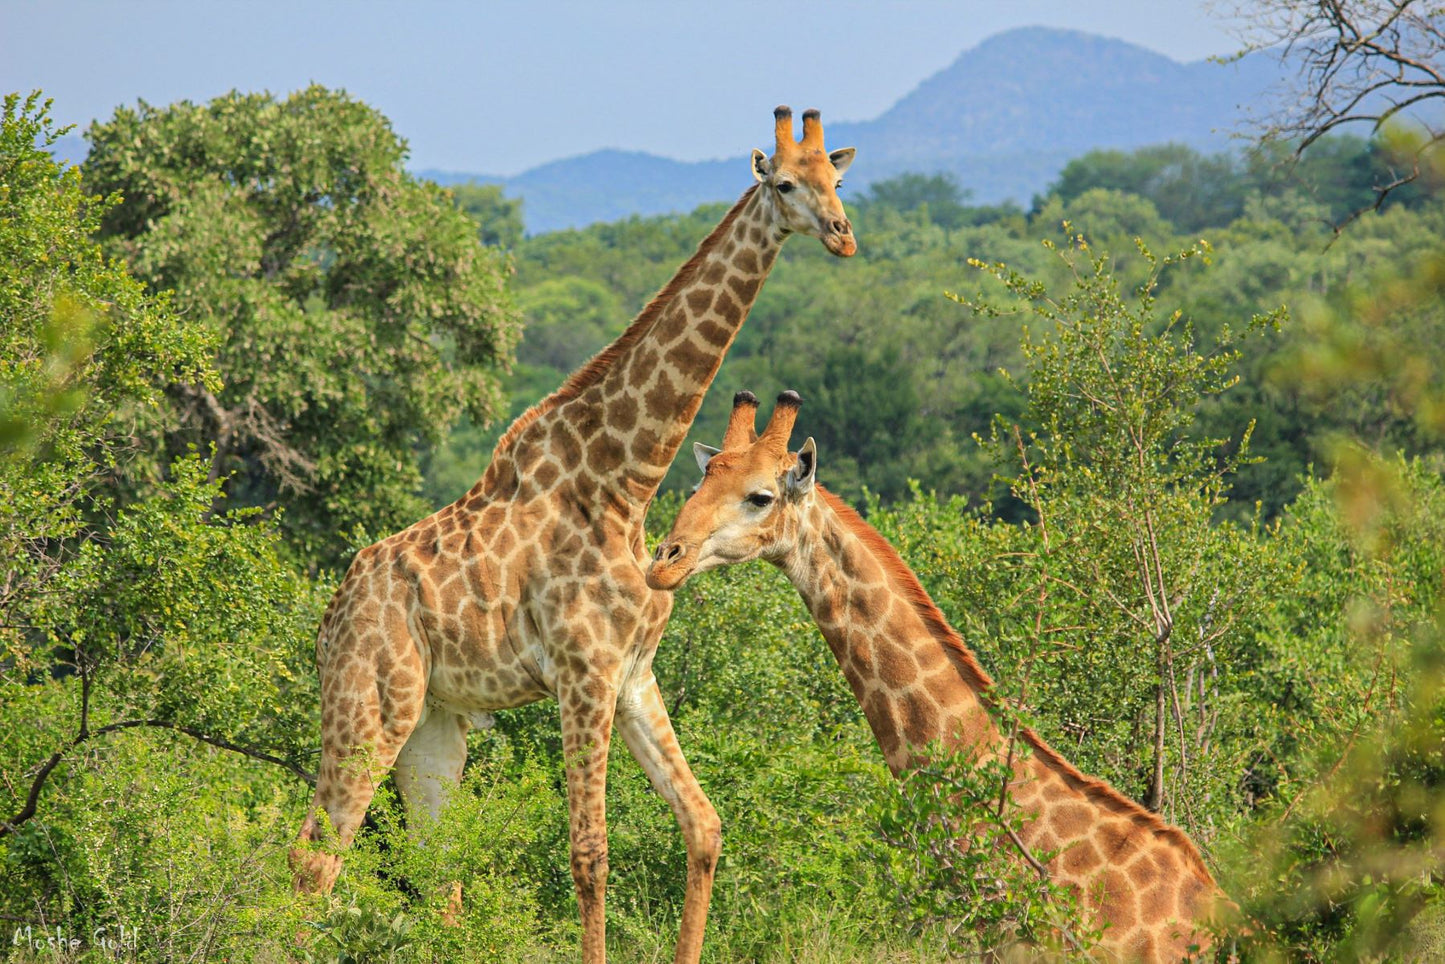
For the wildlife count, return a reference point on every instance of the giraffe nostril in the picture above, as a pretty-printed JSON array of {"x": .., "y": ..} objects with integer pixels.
[
  {"x": 674, "y": 552},
  {"x": 841, "y": 226}
]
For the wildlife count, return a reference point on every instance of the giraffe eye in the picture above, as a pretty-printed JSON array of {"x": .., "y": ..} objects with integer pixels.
[
  {"x": 784, "y": 187},
  {"x": 839, "y": 185},
  {"x": 761, "y": 499}
]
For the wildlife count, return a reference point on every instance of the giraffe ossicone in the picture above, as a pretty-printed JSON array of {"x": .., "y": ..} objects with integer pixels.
[
  {"x": 531, "y": 584},
  {"x": 1138, "y": 878}
]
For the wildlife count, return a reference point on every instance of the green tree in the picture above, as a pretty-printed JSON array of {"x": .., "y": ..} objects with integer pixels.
[
  {"x": 1125, "y": 549},
  {"x": 1189, "y": 189},
  {"x": 356, "y": 312},
  {"x": 867, "y": 418},
  {"x": 157, "y": 618},
  {"x": 568, "y": 321},
  {"x": 84, "y": 351},
  {"x": 1111, "y": 219},
  {"x": 937, "y": 196}
]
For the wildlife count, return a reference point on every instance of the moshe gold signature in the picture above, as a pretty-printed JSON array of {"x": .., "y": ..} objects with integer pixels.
[{"x": 111, "y": 939}]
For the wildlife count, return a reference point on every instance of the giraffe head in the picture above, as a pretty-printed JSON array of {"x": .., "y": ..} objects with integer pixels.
[
  {"x": 800, "y": 182},
  {"x": 747, "y": 505}
]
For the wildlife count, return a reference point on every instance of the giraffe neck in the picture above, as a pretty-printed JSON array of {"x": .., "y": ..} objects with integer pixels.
[
  {"x": 625, "y": 413},
  {"x": 918, "y": 683},
  {"x": 914, "y": 679}
]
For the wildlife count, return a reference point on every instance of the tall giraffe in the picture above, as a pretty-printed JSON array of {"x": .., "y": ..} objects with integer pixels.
[
  {"x": 531, "y": 585},
  {"x": 917, "y": 681}
]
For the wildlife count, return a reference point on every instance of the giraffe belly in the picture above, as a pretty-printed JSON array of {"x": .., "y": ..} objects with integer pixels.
[
  {"x": 474, "y": 679},
  {"x": 479, "y": 719},
  {"x": 478, "y": 670}
]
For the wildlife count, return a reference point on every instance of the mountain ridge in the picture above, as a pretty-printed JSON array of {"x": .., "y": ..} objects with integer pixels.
[{"x": 1003, "y": 118}]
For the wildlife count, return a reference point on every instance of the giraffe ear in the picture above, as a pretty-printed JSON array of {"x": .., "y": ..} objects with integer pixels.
[
  {"x": 703, "y": 454},
  {"x": 804, "y": 473},
  {"x": 842, "y": 158},
  {"x": 761, "y": 168}
]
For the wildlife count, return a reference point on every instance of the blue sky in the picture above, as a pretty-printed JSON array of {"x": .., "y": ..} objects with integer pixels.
[{"x": 498, "y": 87}]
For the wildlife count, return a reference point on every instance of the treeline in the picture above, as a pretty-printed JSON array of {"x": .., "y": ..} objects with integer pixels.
[{"x": 900, "y": 378}]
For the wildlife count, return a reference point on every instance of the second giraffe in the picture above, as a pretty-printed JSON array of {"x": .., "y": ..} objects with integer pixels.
[{"x": 1139, "y": 879}]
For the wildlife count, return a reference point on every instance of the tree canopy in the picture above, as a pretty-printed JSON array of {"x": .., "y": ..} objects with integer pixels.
[{"x": 357, "y": 314}]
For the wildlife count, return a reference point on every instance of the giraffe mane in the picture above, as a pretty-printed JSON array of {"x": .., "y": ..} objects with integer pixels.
[
  {"x": 591, "y": 372},
  {"x": 975, "y": 676}
]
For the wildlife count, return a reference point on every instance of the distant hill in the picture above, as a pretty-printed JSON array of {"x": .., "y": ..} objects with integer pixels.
[
  {"x": 609, "y": 185},
  {"x": 1004, "y": 118}
]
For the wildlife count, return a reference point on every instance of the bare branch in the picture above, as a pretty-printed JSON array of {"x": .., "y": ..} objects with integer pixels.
[
  {"x": 1356, "y": 63},
  {"x": 84, "y": 734}
]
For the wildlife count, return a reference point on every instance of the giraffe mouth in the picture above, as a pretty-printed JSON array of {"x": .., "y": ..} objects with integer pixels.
[
  {"x": 671, "y": 566},
  {"x": 840, "y": 244}
]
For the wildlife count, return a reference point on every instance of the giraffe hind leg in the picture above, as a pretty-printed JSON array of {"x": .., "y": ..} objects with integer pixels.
[{"x": 428, "y": 769}]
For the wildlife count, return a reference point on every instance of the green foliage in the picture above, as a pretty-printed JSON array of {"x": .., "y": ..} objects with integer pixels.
[
  {"x": 1189, "y": 189},
  {"x": 179, "y": 621},
  {"x": 148, "y": 620},
  {"x": 1339, "y": 863},
  {"x": 83, "y": 349},
  {"x": 1196, "y": 191},
  {"x": 869, "y": 417},
  {"x": 1125, "y": 552},
  {"x": 356, "y": 313},
  {"x": 568, "y": 321},
  {"x": 1272, "y": 675},
  {"x": 936, "y": 197},
  {"x": 955, "y": 861}
]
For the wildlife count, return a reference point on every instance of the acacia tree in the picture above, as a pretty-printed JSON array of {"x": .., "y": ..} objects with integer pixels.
[{"x": 357, "y": 314}]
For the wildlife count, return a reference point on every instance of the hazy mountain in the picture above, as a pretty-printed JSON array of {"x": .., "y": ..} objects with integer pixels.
[
  {"x": 608, "y": 185},
  {"x": 1004, "y": 118},
  {"x": 1043, "y": 90}
]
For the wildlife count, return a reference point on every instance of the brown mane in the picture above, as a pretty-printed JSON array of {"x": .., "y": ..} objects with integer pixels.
[
  {"x": 906, "y": 580},
  {"x": 592, "y": 372}
]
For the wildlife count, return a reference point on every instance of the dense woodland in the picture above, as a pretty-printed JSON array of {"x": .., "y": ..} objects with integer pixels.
[{"x": 240, "y": 341}]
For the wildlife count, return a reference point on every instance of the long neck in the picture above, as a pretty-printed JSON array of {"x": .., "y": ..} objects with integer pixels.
[
  {"x": 625, "y": 413},
  {"x": 918, "y": 683},
  {"x": 915, "y": 680}
]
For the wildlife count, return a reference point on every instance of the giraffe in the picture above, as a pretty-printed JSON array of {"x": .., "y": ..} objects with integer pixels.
[
  {"x": 917, "y": 682},
  {"x": 531, "y": 584}
]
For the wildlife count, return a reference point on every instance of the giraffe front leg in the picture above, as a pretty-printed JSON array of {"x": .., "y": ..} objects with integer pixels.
[
  {"x": 348, "y": 778},
  {"x": 646, "y": 729},
  {"x": 366, "y": 717},
  {"x": 587, "y": 706}
]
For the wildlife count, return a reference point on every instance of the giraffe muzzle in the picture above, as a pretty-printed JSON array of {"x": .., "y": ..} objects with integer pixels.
[
  {"x": 839, "y": 239},
  {"x": 671, "y": 564}
]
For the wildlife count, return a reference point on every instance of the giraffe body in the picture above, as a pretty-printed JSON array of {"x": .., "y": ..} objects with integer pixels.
[
  {"x": 918, "y": 684},
  {"x": 531, "y": 585}
]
